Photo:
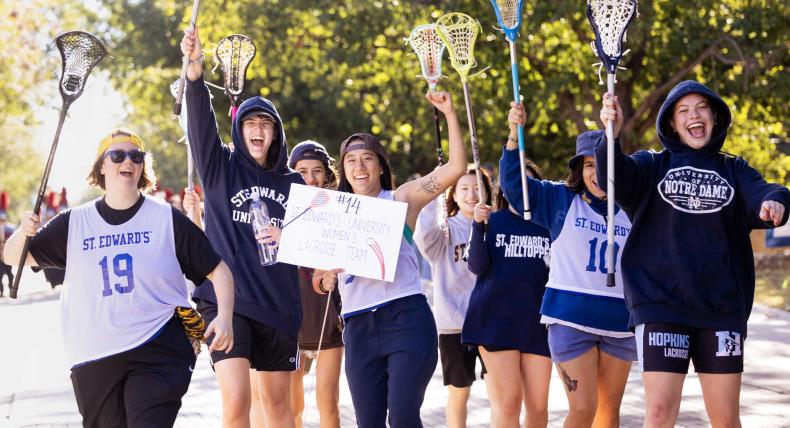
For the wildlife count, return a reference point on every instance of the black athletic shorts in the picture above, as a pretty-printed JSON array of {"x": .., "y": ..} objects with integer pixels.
[
  {"x": 141, "y": 387},
  {"x": 265, "y": 348},
  {"x": 670, "y": 347},
  {"x": 458, "y": 361}
]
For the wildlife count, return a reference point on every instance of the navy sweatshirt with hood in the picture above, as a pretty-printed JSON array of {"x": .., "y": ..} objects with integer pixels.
[
  {"x": 231, "y": 181},
  {"x": 688, "y": 259}
]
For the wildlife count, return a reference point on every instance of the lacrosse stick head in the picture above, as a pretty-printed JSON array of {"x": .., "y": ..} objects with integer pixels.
[
  {"x": 429, "y": 49},
  {"x": 234, "y": 53},
  {"x": 609, "y": 20},
  {"x": 459, "y": 32},
  {"x": 79, "y": 52},
  {"x": 508, "y": 16}
]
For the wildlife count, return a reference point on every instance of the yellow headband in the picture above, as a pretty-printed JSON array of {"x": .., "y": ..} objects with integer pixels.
[{"x": 120, "y": 135}]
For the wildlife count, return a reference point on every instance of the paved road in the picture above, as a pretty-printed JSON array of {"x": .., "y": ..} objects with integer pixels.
[{"x": 35, "y": 390}]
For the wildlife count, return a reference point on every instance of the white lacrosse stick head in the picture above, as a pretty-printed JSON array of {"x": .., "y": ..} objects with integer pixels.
[
  {"x": 429, "y": 49},
  {"x": 459, "y": 32},
  {"x": 234, "y": 53},
  {"x": 610, "y": 19}
]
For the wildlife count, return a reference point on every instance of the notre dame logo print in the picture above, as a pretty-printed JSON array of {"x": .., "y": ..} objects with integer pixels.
[
  {"x": 729, "y": 344},
  {"x": 695, "y": 191}
]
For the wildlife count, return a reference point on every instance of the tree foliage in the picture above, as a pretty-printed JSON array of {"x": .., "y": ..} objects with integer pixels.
[
  {"x": 27, "y": 75},
  {"x": 338, "y": 67}
]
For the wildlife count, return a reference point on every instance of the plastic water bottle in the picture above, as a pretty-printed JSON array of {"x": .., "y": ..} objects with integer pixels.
[{"x": 259, "y": 217}]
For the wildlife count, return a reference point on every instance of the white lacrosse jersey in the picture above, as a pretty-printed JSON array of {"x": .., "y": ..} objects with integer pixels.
[
  {"x": 122, "y": 282},
  {"x": 576, "y": 294},
  {"x": 362, "y": 294}
]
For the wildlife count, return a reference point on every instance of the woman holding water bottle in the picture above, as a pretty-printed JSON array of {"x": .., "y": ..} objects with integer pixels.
[{"x": 254, "y": 177}]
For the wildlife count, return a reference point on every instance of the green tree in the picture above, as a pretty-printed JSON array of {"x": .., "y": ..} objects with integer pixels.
[
  {"x": 338, "y": 67},
  {"x": 27, "y": 75}
]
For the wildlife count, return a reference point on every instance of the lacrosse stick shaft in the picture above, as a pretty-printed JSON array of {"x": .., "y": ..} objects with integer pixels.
[
  {"x": 521, "y": 148},
  {"x": 438, "y": 133},
  {"x": 323, "y": 326},
  {"x": 473, "y": 133},
  {"x": 437, "y": 129},
  {"x": 37, "y": 207},
  {"x": 610, "y": 191},
  {"x": 185, "y": 62}
]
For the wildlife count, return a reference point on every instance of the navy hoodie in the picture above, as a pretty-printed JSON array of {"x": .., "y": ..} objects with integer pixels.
[
  {"x": 688, "y": 259},
  {"x": 231, "y": 180}
]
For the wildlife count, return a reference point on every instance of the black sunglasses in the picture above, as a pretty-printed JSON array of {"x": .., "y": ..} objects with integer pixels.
[{"x": 118, "y": 156}]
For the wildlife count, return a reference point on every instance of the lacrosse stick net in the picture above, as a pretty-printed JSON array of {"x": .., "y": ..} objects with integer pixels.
[
  {"x": 459, "y": 32},
  {"x": 609, "y": 20},
  {"x": 508, "y": 15},
  {"x": 429, "y": 48},
  {"x": 234, "y": 54},
  {"x": 79, "y": 52}
]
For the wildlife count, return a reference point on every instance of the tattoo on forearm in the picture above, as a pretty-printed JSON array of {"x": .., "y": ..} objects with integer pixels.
[
  {"x": 430, "y": 185},
  {"x": 571, "y": 384}
]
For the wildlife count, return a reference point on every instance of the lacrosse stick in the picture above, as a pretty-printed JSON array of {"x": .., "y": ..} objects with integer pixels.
[
  {"x": 320, "y": 199},
  {"x": 79, "y": 52},
  {"x": 508, "y": 15},
  {"x": 234, "y": 53},
  {"x": 459, "y": 31},
  {"x": 185, "y": 62},
  {"x": 429, "y": 49},
  {"x": 609, "y": 20},
  {"x": 323, "y": 327},
  {"x": 182, "y": 120}
]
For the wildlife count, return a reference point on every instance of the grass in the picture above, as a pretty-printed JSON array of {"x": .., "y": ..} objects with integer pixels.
[{"x": 773, "y": 288}]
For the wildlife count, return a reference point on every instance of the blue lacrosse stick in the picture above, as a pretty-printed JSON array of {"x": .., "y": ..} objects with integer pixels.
[{"x": 508, "y": 15}]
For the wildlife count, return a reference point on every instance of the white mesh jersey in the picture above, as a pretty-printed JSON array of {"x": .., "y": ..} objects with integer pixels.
[
  {"x": 579, "y": 267},
  {"x": 578, "y": 255},
  {"x": 360, "y": 294},
  {"x": 122, "y": 282}
]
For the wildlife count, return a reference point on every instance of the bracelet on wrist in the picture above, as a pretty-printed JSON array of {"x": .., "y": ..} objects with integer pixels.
[
  {"x": 198, "y": 60},
  {"x": 321, "y": 287}
]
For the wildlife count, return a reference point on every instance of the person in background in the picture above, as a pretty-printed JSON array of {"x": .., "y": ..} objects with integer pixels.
[
  {"x": 311, "y": 160},
  {"x": 444, "y": 249}
]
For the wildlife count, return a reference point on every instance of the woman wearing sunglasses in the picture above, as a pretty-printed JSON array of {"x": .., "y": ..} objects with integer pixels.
[{"x": 125, "y": 256}]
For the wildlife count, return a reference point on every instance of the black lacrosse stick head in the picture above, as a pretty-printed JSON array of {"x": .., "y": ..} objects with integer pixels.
[
  {"x": 79, "y": 52},
  {"x": 610, "y": 20}
]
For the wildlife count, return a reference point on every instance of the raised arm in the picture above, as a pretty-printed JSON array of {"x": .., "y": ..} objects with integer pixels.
[
  {"x": 632, "y": 173},
  {"x": 546, "y": 198},
  {"x": 419, "y": 192},
  {"x": 210, "y": 155}
]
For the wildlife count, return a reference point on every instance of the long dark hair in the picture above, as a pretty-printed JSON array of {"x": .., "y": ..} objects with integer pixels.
[
  {"x": 386, "y": 176},
  {"x": 452, "y": 205},
  {"x": 575, "y": 179}
]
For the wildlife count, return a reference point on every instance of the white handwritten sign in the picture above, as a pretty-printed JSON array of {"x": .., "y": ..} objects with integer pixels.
[{"x": 325, "y": 229}]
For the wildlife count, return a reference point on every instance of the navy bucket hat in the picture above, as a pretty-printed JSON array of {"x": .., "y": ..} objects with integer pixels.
[{"x": 585, "y": 145}]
